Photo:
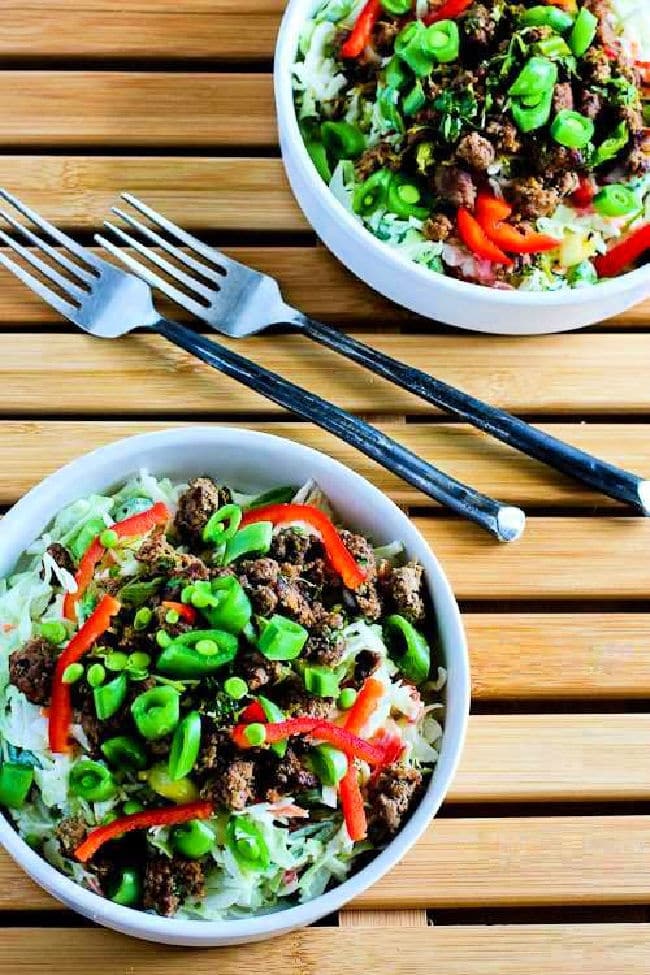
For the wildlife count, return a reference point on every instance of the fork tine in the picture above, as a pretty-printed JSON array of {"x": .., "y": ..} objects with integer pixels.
[
  {"x": 149, "y": 276},
  {"x": 49, "y": 228},
  {"x": 161, "y": 262},
  {"x": 48, "y": 249},
  {"x": 176, "y": 252},
  {"x": 64, "y": 283},
  {"x": 68, "y": 311},
  {"x": 216, "y": 257}
]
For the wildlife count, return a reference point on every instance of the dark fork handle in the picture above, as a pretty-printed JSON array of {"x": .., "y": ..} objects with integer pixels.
[
  {"x": 605, "y": 478},
  {"x": 505, "y": 522}
]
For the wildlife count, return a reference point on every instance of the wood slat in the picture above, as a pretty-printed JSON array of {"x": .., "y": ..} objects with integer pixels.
[
  {"x": 40, "y": 447},
  {"x": 564, "y": 558},
  {"x": 560, "y": 949},
  {"x": 234, "y": 193},
  {"x": 140, "y": 374},
  {"x": 128, "y": 108},
  {"x": 215, "y": 29},
  {"x": 481, "y": 863},
  {"x": 540, "y": 656}
]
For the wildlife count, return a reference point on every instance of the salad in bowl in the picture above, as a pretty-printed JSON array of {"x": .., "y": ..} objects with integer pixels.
[
  {"x": 214, "y": 705},
  {"x": 493, "y": 142}
]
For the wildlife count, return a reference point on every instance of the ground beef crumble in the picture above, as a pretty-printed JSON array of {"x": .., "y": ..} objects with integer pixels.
[{"x": 31, "y": 669}]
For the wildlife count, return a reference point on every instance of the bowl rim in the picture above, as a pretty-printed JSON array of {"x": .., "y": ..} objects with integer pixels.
[
  {"x": 295, "y": 14},
  {"x": 202, "y": 932}
]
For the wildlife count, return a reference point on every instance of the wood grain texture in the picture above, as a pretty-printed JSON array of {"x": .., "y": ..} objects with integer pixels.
[
  {"x": 563, "y": 558},
  {"x": 551, "y": 656},
  {"x": 140, "y": 374},
  {"x": 489, "y": 862},
  {"x": 40, "y": 447},
  {"x": 129, "y": 108},
  {"x": 559, "y": 949},
  {"x": 215, "y": 29}
]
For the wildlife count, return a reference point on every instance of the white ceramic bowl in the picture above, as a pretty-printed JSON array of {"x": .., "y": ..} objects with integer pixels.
[
  {"x": 250, "y": 461},
  {"x": 437, "y": 297}
]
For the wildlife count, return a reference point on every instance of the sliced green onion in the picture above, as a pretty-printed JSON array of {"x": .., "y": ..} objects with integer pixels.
[
  {"x": 616, "y": 200},
  {"x": 329, "y": 764},
  {"x": 138, "y": 660},
  {"x": 163, "y": 639},
  {"x": 15, "y": 783},
  {"x": 321, "y": 681},
  {"x": 236, "y": 688},
  {"x": 224, "y": 603},
  {"x": 611, "y": 147},
  {"x": 185, "y": 746},
  {"x": 53, "y": 631},
  {"x": 347, "y": 697},
  {"x": 537, "y": 77},
  {"x": 372, "y": 194},
  {"x": 194, "y": 839},
  {"x": 318, "y": 155},
  {"x": 131, "y": 807},
  {"x": 342, "y": 140},
  {"x": 109, "y": 698},
  {"x": 415, "y": 99},
  {"x": 142, "y": 618},
  {"x": 96, "y": 675},
  {"x": 72, "y": 673},
  {"x": 156, "y": 712},
  {"x": 395, "y": 74},
  {"x": 223, "y": 524},
  {"x": 397, "y": 8},
  {"x": 197, "y": 654},
  {"x": 125, "y": 752},
  {"x": 409, "y": 648},
  {"x": 282, "y": 639},
  {"x": 87, "y": 535},
  {"x": 172, "y": 617},
  {"x": 553, "y": 47},
  {"x": 127, "y": 890},
  {"x": 116, "y": 660},
  {"x": 547, "y": 16},
  {"x": 184, "y": 790},
  {"x": 572, "y": 129},
  {"x": 530, "y": 118},
  {"x": 404, "y": 197},
  {"x": 274, "y": 715},
  {"x": 109, "y": 538},
  {"x": 91, "y": 781},
  {"x": 247, "y": 844},
  {"x": 583, "y": 33},
  {"x": 408, "y": 46},
  {"x": 255, "y": 734},
  {"x": 254, "y": 539},
  {"x": 442, "y": 41}
]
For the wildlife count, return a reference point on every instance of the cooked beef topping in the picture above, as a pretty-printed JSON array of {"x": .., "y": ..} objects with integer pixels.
[
  {"x": 195, "y": 507},
  {"x": 233, "y": 785},
  {"x": 70, "y": 833},
  {"x": 476, "y": 151},
  {"x": 390, "y": 795},
  {"x": 532, "y": 199},
  {"x": 366, "y": 664},
  {"x": 404, "y": 591},
  {"x": 169, "y": 881},
  {"x": 61, "y": 556},
  {"x": 438, "y": 227},
  {"x": 257, "y": 670},
  {"x": 455, "y": 186},
  {"x": 31, "y": 669}
]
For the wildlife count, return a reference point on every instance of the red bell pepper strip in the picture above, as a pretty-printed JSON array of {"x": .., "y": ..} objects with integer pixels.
[
  {"x": 354, "y": 814},
  {"x": 584, "y": 195},
  {"x": 360, "y": 35},
  {"x": 477, "y": 241},
  {"x": 60, "y": 714},
  {"x": 367, "y": 700},
  {"x": 138, "y": 524},
  {"x": 491, "y": 214},
  {"x": 202, "y": 809},
  {"x": 254, "y": 713},
  {"x": 621, "y": 255},
  {"x": 391, "y": 745},
  {"x": 345, "y": 741},
  {"x": 337, "y": 554},
  {"x": 448, "y": 11},
  {"x": 187, "y": 613}
]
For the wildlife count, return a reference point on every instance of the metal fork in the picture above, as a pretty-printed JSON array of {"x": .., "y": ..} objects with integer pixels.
[
  {"x": 108, "y": 302},
  {"x": 238, "y": 301}
]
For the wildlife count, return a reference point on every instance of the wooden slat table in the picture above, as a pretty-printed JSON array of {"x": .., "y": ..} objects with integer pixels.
[{"x": 540, "y": 860}]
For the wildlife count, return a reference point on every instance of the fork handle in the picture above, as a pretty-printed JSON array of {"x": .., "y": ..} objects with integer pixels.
[
  {"x": 504, "y": 522},
  {"x": 603, "y": 477}
]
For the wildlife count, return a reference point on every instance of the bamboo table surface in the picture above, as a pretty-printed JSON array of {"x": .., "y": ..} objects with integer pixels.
[{"x": 540, "y": 859}]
